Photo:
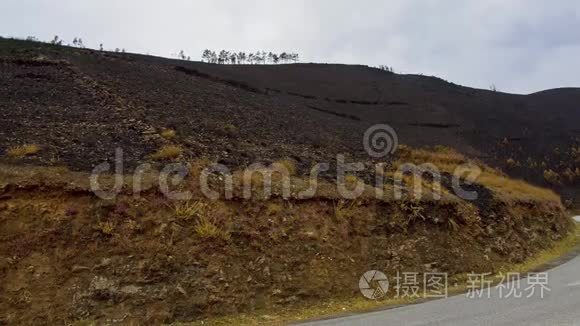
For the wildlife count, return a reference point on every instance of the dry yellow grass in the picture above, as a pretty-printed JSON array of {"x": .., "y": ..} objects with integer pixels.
[
  {"x": 188, "y": 210},
  {"x": 287, "y": 165},
  {"x": 168, "y": 133},
  {"x": 515, "y": 189},
  {"x": 344, "y": 210},
  {"x": 23, "y": 150},
  {"x": 167, "y": 152},
  {"x": 447, "y": 160},
  {"x": 207, "y": 227}
]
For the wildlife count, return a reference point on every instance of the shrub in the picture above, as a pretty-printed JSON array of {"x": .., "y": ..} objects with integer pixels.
[
  {"x": 168, "y": 133},
  {"x": 167, "y": 152},
  {"x": 24, "y": 150}
]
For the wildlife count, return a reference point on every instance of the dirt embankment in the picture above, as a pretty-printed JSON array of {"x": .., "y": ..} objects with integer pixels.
[{"x": 68, "y": 256}]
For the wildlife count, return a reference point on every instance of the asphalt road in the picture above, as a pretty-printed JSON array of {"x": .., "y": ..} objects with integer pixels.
[{"x": 559, "y": 306}]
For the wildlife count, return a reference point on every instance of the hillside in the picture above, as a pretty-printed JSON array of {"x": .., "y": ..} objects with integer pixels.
[
  {"x": 69, "y": 255},
  {"x": 243, "y": 114}
]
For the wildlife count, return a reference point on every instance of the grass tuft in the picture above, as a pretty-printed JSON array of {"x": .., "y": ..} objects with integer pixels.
[
  {"x": 344, "y": 210},
  {"x": 188, "y": 211},
  {"x": 167, "y": 152},
  {"x": 168, "y": 134},
  {"x": 23, "y": 150},
  {"x": 207, "y": 228}
]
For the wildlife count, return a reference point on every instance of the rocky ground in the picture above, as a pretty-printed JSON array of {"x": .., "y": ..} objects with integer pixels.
[{"x": 79, "y": 105}]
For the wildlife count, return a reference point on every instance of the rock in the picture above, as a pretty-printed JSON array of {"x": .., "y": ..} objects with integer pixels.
[
  {"x": 105, "y": 262},
  {"x": 130, "y": 289},
  {"x": 267, "y": 317},
  {"x": 102, "y": 288},
  {"x": 430, "y": 266},
  {"x": 149, "y": 131},
  {"x": 77, "y": 269},
  {"x": 181, "y": 290}
]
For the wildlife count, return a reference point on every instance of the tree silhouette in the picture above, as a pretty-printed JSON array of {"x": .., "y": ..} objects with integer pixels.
[
  {"x": 241, "y": 57},
  {"x": 259, "y": 57},
  {"x": 206, "y": 55},
  {"x": 386, "y": 68},
  {"x": 231, "y": 57},
  {"x": 222, "y": 56},
  {"x": 56, "y": 40},
  {"x": 270, "y": 57},
  {"x": 283, "y": 56}
]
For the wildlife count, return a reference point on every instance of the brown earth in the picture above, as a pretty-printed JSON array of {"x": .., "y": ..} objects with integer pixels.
[{"x": 67, "y": 256}]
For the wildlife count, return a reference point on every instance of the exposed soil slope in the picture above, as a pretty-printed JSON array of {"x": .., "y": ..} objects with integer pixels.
[{"x": 67, "y": 256}]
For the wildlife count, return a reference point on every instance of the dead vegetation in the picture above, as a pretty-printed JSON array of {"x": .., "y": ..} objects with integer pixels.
[
  {"x": 167, "y": 152},
  {"x": 449, "y": 161},
  {"x": 168, "y": 133},
  {"x": 23, "y": 150}
]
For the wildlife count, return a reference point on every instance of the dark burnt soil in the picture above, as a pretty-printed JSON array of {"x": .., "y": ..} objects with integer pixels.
[{"x": 79, "y": 105}]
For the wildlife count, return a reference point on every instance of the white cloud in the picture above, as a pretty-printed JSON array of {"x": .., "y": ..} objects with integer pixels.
[{"x": 519, "y": 45}]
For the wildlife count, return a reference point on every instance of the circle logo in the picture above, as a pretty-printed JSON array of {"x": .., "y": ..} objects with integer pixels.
[
  {"x": 373, "y": 285},
  {"x": 380, "y": 141}
]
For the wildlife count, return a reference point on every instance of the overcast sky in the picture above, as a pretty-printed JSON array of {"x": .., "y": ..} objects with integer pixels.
[{"x": 521, "y": 46}]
